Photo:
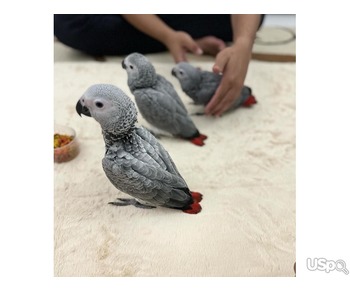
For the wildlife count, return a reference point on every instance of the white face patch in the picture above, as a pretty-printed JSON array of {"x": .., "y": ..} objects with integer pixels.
[{"x": 110, "y": 107}]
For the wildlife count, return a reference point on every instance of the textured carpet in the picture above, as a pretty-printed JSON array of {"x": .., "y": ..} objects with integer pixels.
[{"x": 246, "y": 172}]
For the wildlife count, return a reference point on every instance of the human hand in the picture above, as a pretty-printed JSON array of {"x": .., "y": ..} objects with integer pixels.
[
  {"x": 233, "y": 63},
  {"x": 179, "y": 43}
]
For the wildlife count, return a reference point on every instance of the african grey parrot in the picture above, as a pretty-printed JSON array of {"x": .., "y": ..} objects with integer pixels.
[
  {"x": 158, "y": 101},
  {"x": 135, "y": 162},
  {"x": 201, "y": 85}
]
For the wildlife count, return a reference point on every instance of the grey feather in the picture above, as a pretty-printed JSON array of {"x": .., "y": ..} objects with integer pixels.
[
  {"x": 157, "y": 99},
  {"x": 134, "y": 162},
  {"x": 200, "y": 85}
]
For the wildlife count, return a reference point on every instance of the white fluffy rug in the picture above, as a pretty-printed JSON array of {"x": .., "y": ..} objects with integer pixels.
[{"x": 246, "y": 172}]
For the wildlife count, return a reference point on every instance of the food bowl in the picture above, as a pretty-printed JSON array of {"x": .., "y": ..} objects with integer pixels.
[{"x": 66, "y": 146}]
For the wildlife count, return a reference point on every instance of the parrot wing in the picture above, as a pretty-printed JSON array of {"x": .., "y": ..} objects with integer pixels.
[
  {"x": 163, "y": 112},
  {"x": 157, "y": 151},
  {"x": 208, "y": 85},
  {"x": 167, "y": 87},
  {"x": 145, "y": 181}
]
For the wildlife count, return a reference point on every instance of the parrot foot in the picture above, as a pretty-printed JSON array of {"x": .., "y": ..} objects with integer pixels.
[{"x": 128, "y": 202}]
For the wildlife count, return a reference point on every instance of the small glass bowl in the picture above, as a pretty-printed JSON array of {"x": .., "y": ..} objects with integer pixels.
[{"x": 70, "y": 148}]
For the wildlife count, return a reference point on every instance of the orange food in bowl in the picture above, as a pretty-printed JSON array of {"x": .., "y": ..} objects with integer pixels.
[{"x": 65, "y": 145}]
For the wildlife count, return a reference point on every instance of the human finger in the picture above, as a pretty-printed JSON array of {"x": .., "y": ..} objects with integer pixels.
[{"x": 215, "y": 100}]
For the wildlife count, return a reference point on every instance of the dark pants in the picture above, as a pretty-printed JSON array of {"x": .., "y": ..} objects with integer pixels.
[{"x": 110, "y": 34}]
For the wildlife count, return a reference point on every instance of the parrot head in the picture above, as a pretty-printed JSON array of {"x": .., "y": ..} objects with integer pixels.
[
  {"x": 109, "y": 106},
  {"x": 141, "y": 73},
  {"x": 188, "y": 76}
]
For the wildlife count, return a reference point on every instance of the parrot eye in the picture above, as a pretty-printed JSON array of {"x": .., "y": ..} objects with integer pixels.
[
  {"x": 99, "y": 104},
  {"x": 131, "y": 67},
  {"x": 181, "y": 72}
]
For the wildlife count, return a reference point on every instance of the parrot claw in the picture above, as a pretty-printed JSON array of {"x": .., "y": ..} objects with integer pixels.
[{"x": 128, "y": 202}]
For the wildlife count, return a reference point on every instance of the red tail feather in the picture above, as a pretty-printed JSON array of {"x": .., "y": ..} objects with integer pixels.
[
  {"x": 195, "y": 208},
  {"x": 197, "y": 141},
  {"x": 250, "y": 101},
  {"x": 203, "y": 137},
  {"x": 197, "y": 197}
]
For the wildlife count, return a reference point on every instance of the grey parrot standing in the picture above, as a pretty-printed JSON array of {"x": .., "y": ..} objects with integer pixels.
[
  {"x": 135, "y": 162},
  {"x": 157, "y": 100},
  {"x": 200, "y": 85}
]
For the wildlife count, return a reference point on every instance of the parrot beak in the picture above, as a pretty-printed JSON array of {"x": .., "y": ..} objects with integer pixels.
[
  {"x": 173, "y": 72},
  {"x": 123, "y": 65},
  {"x": 82, "y": 109}
]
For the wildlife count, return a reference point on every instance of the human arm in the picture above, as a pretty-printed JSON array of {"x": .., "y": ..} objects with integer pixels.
[
  {"x": 233, "y": 63},
  {"x": 177, "y": 42}
]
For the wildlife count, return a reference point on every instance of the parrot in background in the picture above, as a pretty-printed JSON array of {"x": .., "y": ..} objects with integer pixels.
[
  {"x": 135, "y": 162},
  {"x": 158, "y": 101},
  {"x": 201, "y": 85}
]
